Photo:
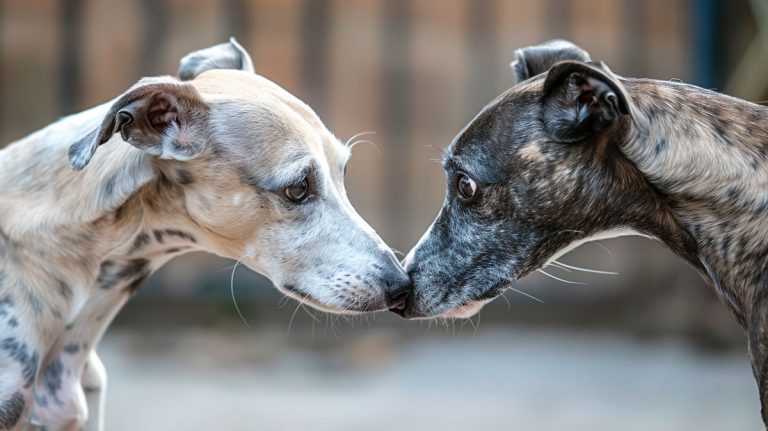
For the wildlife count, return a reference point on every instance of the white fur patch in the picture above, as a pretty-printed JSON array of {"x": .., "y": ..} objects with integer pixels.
[
  {"x": 251, "y": 250},
  {"x": 608, "y": 234}
]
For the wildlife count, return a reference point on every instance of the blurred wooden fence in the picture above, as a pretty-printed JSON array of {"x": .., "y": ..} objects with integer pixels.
[{"x": 413, "y": 71}]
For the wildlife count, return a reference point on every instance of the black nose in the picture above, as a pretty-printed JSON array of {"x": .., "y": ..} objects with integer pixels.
[
  {"x": 397, "y": 298},
  {"x": 398, "y": 289},
  {"x": 398, "y": 285}
]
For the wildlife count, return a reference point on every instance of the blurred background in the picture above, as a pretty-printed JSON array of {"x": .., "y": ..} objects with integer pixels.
[{"x": 650, "y": 348}]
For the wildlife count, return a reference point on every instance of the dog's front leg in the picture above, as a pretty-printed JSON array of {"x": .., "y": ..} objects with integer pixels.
[
  {"x": 94, "y": 382},
  {"x": 757, "y": 330}
]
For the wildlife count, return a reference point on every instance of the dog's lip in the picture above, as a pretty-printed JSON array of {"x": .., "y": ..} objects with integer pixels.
[
  {"x": 459, "y": 311},
  {"x": 304, "y": 297},
  {"x": 469, "y": 309}
]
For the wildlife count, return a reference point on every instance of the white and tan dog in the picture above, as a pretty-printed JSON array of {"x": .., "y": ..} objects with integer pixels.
[{"x": 223, "y": 161}]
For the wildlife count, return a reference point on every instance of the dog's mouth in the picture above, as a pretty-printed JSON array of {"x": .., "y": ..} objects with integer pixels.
[
  {"x": 304, "y": 297},
  {"x": 467, "y": 309},
  {"x": 474, "y": 305}
]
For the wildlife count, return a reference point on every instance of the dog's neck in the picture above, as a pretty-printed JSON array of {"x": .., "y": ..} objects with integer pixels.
[
  {"x": 65, "y": 228},
  {"x": 706, "y": 154},
  {"x": 36, "y": 177}
]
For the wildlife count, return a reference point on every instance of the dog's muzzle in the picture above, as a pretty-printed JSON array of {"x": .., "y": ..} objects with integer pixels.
[{"x": 399, "y": 287}]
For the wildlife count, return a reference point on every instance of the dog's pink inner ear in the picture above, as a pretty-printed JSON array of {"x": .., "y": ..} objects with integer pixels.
[{"x": 161, "y": 113}]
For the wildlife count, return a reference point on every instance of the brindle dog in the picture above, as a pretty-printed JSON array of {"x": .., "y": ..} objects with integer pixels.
[{"x": 572, "y": 153}]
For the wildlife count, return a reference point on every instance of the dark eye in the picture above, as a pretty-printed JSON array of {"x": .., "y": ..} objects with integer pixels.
[
  {"x": 466, "y": 186},
  {"x": 298, "y": 192}
]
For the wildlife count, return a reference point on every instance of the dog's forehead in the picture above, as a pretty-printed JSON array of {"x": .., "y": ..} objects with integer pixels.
[
  {"x": 491, "y": 140},
  {"x": 256, "y": 121}
]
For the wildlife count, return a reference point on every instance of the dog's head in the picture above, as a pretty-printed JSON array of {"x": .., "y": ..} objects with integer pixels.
[
  {"x": 259, "y": 177},
  {"x": 537, "y": 171}
]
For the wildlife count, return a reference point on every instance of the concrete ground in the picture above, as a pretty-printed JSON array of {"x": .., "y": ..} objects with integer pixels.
[{"x": 381, "y": 380}]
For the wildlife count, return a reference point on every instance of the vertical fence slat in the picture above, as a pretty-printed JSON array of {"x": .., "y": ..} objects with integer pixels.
[
  {"x": 237, "y": 19},
  {"x": 483, "y": 53},
  {"x": 635, "y": 30},
  {"x": 559, "y": 18},
  {"x": 704, "y": 34},
  {"x": 396, "y": 101},
  {"x": 154, "y": 34},
  {"x": 315, "y": 22},
  {"x": 69, "y": 82}
]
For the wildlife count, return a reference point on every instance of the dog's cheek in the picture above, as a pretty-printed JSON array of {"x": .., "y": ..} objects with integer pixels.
[{"x": 232, "y": 214}]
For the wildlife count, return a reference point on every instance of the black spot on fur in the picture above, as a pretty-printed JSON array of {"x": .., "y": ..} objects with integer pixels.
[
  {"x": 52, "y": 376},
  {"x": 112, "y": 273},
  {"x": 172, "y": 250},
  {"x": 13, "y": 322},
  {"x": 661, "y": 145},
  {"x": 18, "y": 352},
  {"x": 140, "y": 242},
  {"x": 10, "y": 410},
  {"x": 160, "y": 234},
  {"x": 733, "y": 194},
  {"x": 88, "y": 390},
  {"x": 64, "y": 289},
  {"x": 69, "y": 326},
  {"x": 181, "y": 234},
  {"x": 184, "y": 177},
  {"x": 133, "y": 287},
  {"x": 109, "y": 189},
  {"x": 72, "y": 348},
  {"x": 163, "y": 180},
  {"x": 33, "y": 301},
  {"x": 5, "y": 245},
  {"x": 6, "y": 305},
  {"x": 721, "y": 132}
]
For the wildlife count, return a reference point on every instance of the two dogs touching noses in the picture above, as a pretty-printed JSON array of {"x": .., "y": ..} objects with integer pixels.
[{"x": 225, "y": 161}]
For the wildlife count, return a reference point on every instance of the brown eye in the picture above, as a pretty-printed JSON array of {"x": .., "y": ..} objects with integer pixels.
[
  {"x": 466, "y": 186},
  {"x": 298, "y": 192}
]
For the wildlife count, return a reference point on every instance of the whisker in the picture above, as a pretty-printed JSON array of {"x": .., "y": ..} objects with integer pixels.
[
  {"x": 559, "y": 279},
  {"x": 445, "y": 153},
  {"x": 558, "y": 265},
  {"x": 573, "y": 230},
  {"x": 310, "y": 314},
  {"x": 357, "y": 135},
  {"x": 509, "y": 304},
  {"x": 232, "y": 291},
  {"x": 604, "y": 247},
  {"x": 471, "y": 322},
  {"x": 525, "y": 294},
  {"x": 594, "y": 271},
  {"x": 290, "y": 322},
  {"x": 479, "y": 315},
  {"x": 226, "y": 268}
]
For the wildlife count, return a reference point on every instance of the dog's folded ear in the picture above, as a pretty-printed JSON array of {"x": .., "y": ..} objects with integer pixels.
[
  {"x": 582, "y": 99},
  {"x": 538, "y": 59},
  {"x": 161, "y": 116},
  {"x": 229, "y": 55}
]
